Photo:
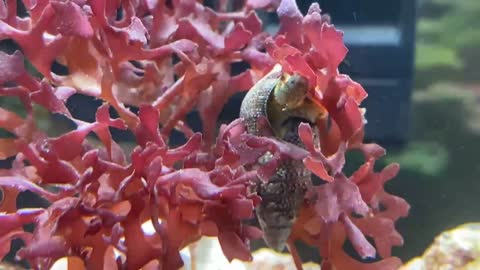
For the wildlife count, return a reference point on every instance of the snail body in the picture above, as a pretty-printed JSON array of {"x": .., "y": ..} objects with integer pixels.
[{"x": 281, "y": 99}]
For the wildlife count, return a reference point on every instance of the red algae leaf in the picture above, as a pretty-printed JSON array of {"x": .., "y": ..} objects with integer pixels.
[
  {"x": 100, "y": 10},
  {"x": 242, "y": 81},
  {"x": 343, "y": 108},
  {"x": 298, "y": 63},
  {"x": 233, "y": 130},
  {"x": 361, "y": 173},
  {"x": 349, "y": 119},
  {"x": 383, "y": 232},
  {"x": 47, "y": 98},
  {"x": 241, "y": 208},
  {"x": 208, "y": 228},
  {"x": 372, "y": 150},
  {"x": 180, "y": 233},
  {"x": 251, "y": 232},
  {"x": 163, "y": 26},
  {"x": 233, "y": 145},
  {"x": 8, "y": 148},
  {"x": 343, "y": 261},
  {"x": 190, "y": 147},
  {"x": 53, "y": 170},
  {"x": 280, "y": 50},
  {"x": 233, "y": 247},
  {"x": 219, "y": 93},
  {"x": 284, "y": 148},
  {"x": 148, "y": 130},
  {"x": 317, "y": 167},
  {"x": 10, "y": 121},
  {"x": 139, "y": 249},
  {"x": 69, "y": 145},
  {"x": 396, "y": 207},
  {"x": 354, "y": 89},
  {"x": 21, "y": 183},
  {"x": 71, "y": 19},
  {"x": 11, "y": 66},
  {"x": 105, "y": 191},
  {"x": 290, "y": 21},
  {"x": 327, "y": 41},
  {"x": 306, "y": 135},
  {"x": 317, "y": 163},
  {"x": 258, "y": 60},
  {"x": 344, "y": 85},
  {"x": 13, "y": 221},
  {"x": 181, "y": 47},
  {"x": 152, "y": 265},
  {"x": 337, "y": 197},
  {"x": 359, "y": 242},
  {"x": 103, "y": 117},
  {"x": 5, "y": 241},
  {"x": 52, "y": 247},
  {"x": 102, "y": 129},
  {"x": 48, "y": 220},
  {"x": 252, "y": 23},
  {"x": 64, "y": 92},
  {"x": 8, "y": 203},
  {"x": 31, "y": 41},
  {"x": 109, "y": 262},
  {"x": 3, "y": 11},
  {"x": 238, "y": 38},
  {"x": 263, "y": 4},
  {"x": 107, "y": 82},
  {"x": 370, "y": 182},
  {"x": 135, "y": 31},
  {"x": 191, "y": 213},
  {"x": 198, "y": 180},
  {"x": 142, "y": 156},
  {"x": 199, "y": 30},
  {"x": 336, "y": 161}
]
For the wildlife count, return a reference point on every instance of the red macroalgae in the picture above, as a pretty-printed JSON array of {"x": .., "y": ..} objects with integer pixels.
[{"x": 170, "y": 58}]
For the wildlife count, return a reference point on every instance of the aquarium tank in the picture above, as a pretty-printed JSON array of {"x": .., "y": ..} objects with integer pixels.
[{"x": 249, "y": 134}]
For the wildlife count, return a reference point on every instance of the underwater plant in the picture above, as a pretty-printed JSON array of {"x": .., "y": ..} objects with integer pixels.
[{"x": 152, "y": 62}]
